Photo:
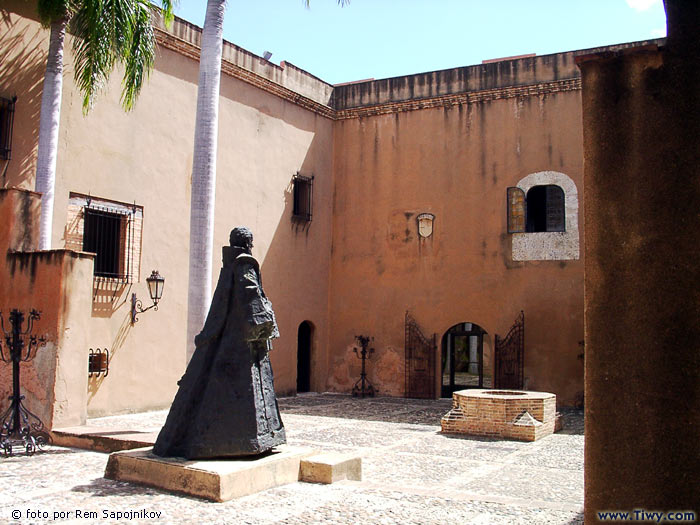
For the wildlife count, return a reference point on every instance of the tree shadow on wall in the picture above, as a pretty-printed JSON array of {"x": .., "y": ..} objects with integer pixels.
[
  {"x": 22, "y": 77},
  {"x": 95, "y": 381}
]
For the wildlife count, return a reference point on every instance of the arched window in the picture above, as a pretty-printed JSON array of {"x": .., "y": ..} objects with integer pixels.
[
  {"x": 545, "y": 209},
  {"x": 542, "y": 213},
  {"x": 542, "y": 210}
]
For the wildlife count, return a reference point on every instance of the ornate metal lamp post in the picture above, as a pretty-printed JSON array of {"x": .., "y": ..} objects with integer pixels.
[
  {"x": 363, "y": 387},
  {"x": 18, "y": 426}
]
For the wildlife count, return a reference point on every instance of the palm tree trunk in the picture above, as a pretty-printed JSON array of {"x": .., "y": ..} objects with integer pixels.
[
  {"x": 204, "y": 172},
  {"x": 48, "y": 130}
]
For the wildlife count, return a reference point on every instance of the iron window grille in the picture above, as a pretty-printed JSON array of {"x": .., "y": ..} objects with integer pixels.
[
  {"x": 108, "y": 231},
  {"x": 7, "y": 118},
  {"x": 303, "y": 197}
]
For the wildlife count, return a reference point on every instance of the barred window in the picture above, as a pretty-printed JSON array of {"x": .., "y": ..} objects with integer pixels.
[
  {"x": 7, "y": 117},
  {"x": 110, "y": 230},
  {"x": 303, "y": 197}
]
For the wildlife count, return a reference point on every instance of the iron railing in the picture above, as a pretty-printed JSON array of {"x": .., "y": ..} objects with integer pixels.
[{"x": 419, "y": 361}]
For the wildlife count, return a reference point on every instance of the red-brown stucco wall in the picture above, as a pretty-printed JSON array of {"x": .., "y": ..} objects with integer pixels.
[{"x": 456, "y": 163}]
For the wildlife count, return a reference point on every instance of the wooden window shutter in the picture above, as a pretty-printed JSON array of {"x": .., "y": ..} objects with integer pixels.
[{"x": 516, "y": 210}]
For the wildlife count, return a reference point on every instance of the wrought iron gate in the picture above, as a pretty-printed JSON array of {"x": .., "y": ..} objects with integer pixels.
[
  {"x": 510, "y": 356},
  {"x": 420, "y": 361}
]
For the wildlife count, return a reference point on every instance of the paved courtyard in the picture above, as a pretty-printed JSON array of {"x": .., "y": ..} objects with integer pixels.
[{"x": 412, "y": 474}]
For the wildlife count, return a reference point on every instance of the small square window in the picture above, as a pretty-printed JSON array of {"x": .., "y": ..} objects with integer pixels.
[
  {"x": 109, "y": 229},
  {"x": 7, "y": 117},
  {"x": 303, "y": 197}
]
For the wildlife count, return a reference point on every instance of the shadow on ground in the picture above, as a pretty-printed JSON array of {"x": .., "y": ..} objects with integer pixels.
[
  {"x": 386, "y": 409},
  {"x": 393, "y": 409}
]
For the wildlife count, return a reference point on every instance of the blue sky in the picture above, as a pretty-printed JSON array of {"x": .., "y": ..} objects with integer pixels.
[{"x": 386, "y": 38}]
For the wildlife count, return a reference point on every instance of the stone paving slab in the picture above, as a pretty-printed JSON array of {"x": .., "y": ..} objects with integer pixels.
[{"x": 412, "y": 474}]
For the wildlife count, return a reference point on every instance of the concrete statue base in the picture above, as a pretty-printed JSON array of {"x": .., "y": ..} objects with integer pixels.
[{"x": 212, "y": 479}]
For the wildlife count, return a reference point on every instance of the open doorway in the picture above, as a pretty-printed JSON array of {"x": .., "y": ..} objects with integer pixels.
[
  {"x": 462, "y": 358},
  {"x": 304, "y": 338}
]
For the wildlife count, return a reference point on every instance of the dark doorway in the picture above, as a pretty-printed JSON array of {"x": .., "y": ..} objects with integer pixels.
[
  {"x": 462, "y": 358},
  {"x": 304, "y": 357}
]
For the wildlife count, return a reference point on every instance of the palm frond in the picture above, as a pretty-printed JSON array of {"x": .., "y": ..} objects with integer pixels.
[
  {"x": 139, "y": 58},
  {"x": 93, "y": 47},
  {"x": 110, "y": 32},
  {"x": 167, "y": 10}
]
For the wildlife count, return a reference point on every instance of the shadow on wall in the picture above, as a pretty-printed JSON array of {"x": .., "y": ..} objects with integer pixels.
[
  {"x": 95, "y": 382},
  {"x": 108, "y": 297},
  {"x": 22, "y": 77},
  {"x": 297, "y": 263}
]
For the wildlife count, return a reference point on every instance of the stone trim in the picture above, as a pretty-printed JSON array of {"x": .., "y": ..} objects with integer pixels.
[
  {"x": 192, "y": 51},
  {"x": 550, "y": 246},
  {"x": 469, "y": 97},
  {"x": 187, "y": 49}
]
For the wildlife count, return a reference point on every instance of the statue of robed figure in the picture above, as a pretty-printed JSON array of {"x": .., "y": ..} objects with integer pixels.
[{"x": 226, "y": 404}]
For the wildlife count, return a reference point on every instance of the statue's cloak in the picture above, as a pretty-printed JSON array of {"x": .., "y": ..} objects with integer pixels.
[{"x": 226, "y": 404}]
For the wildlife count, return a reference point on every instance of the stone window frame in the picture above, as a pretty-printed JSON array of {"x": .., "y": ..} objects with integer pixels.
[{"x": 549, "y": 246}]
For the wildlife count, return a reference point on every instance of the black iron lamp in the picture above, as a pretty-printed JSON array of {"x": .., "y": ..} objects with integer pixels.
[{"x": 155, "y": 283}]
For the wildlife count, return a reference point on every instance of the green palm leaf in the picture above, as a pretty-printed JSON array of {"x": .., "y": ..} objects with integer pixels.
[{"x": 110, "y": 32}]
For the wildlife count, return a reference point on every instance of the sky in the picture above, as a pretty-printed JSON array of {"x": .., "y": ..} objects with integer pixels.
[{"x": 387, "y": 38}]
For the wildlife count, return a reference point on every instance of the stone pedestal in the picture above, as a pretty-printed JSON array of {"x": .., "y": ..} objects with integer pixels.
[
  {"x": 215, "y": 480},
  {"x": 331, "y": 467}
]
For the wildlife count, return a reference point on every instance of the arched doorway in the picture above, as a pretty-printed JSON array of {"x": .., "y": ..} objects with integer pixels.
[
  {"x": 304, "y": 338},
  {"x": 462, "y": 358}
]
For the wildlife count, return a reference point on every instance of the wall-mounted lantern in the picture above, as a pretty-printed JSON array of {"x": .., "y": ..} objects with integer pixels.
[
  {"x": 425, "y": 224},
  {"x": 155, "y": 289}
]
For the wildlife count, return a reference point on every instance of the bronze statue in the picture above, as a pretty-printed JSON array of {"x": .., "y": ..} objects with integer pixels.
[{"x": 226, "y": 404}]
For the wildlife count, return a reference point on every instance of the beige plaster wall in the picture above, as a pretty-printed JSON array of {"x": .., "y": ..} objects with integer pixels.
[
  {"x": 145, "y": 157},
  {"x": 456, "y": 163},
  {"x": 23, "y": 46}
]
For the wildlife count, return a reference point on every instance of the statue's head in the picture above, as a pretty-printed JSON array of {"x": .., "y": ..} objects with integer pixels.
[{"x": 241, "y": 237}]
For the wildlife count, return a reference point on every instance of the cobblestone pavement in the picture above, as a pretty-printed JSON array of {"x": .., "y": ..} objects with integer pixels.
[{"x": 412, "y": 474}]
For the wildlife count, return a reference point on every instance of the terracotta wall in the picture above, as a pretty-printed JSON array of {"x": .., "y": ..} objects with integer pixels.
[
  {"x": 641, "y": 129},
  {"x": 57, "y": 283},
  {"x": 454, "y": 161}
]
